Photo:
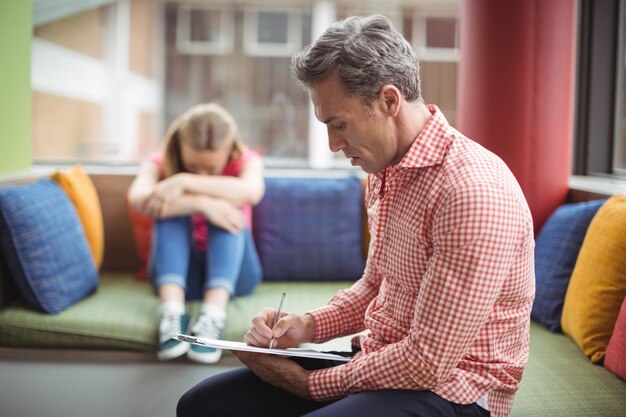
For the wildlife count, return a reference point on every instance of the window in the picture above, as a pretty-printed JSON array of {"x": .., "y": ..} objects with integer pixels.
[
  {"x": 96, "y": 89},
  {"x": 272, "y": 32},
  {"x": 441, "y": 32},
  {"x": 600, "y": 147},
  {"x": 109, "y": 77},
  {"x": 204, "y": 30},
  {"x": 252, "y": 81},
  {"x": 619, "y": 160},
  {"x": 435, "y": 36}
]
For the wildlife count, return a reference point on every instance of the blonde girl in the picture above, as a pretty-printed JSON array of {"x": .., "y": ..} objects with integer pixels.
[{"x": 200, "y": 192}]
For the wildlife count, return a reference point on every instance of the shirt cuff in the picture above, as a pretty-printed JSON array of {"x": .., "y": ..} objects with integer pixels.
[
  {"x": 325, "y": 384},
  {"x": 326, "y": 323}
]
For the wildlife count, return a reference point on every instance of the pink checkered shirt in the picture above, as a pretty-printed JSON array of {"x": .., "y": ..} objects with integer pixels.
[{"x": 449, "y": 282}]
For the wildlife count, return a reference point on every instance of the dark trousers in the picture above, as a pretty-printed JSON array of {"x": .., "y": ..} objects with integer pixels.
[{"x": 239, "y": 393}]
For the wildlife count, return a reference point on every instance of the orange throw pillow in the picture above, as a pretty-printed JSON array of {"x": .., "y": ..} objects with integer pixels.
[
  {"x": 80, "y": 189},
  {"x": 598, "y": 284}
]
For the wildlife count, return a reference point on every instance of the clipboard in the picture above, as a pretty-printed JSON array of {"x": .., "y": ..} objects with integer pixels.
[{"x": 229, "y": 345}]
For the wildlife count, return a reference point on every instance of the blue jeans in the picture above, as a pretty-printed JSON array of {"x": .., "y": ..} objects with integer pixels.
[{"x": 230, "y": 262}]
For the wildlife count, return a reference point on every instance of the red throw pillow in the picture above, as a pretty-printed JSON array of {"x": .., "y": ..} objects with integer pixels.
[
  {"x": 142, "y": 230},
  {"x": 615, "y": 359}
]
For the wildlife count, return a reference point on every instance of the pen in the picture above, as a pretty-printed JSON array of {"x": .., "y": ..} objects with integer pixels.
[{"x": 280, "y": 308}]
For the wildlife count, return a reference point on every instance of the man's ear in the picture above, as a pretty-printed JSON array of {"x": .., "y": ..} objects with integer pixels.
[{"x": 390, "y": 98}]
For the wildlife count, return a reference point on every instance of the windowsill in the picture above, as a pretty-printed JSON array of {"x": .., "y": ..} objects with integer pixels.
[
  {"x": 33, "y": 173},
  {"x": 40, "y": 170},
  {"x": 598, "y": 185}
]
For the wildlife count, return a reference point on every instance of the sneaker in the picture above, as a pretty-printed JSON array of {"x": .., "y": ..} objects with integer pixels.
[
  {"x": 170, "y": 326},
  {"x": 209, "y": 327}
]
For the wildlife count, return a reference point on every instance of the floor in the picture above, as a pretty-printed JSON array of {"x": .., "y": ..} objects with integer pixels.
[{"x": 44, "y": 389}]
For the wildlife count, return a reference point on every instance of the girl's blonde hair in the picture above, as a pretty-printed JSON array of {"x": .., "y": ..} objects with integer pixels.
[{"x": 204, "y": 127}]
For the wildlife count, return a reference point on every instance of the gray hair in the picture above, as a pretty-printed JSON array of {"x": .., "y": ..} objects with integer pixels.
[{"x": 367, "y": 53}]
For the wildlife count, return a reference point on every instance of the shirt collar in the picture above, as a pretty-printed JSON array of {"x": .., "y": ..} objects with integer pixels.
[
  {"x": 430, "y": 146},
  {"x": 428, "y": 149}
]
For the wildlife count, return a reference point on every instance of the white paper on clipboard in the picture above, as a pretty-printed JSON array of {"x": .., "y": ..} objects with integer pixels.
[{"x": 229, "y": 345}]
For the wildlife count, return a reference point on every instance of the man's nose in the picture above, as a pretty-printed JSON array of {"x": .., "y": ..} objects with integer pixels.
[{"x": 336, "y": 142}]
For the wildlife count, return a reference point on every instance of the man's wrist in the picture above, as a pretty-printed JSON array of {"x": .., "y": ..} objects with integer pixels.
[
  {"x": 309, "y": 326},
  {"x": 303, "y": 386}
]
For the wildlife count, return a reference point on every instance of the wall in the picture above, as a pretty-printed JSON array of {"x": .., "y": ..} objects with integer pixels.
[{"x": 15, "y": 99}]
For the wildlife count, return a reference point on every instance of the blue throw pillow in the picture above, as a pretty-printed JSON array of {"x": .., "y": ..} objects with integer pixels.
[
  {"x": 310, "y": 229},
  {"x": 556, "y": 250},
  {"x": 44, "y": 246}
]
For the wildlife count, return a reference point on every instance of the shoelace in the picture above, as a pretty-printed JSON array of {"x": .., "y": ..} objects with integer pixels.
[
  {"x": 207, "y": 326},
  {"x": 170, "y": 326}
]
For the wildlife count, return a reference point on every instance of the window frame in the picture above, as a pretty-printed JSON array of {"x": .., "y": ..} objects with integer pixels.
[
  {"x": 620, "y": 87},
  {"x": 253, "y": 47},
  {"x": 184, "y": 43},
  {"x": 598, "y": 87},
  {"x": 418, "y": 38}
]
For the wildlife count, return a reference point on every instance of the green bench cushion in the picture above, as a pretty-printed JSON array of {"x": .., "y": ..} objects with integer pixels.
[
  {"x": 100, "y": 321},
  {"x": 560, "y": 381},
  {"x": 123, "y": 315}
]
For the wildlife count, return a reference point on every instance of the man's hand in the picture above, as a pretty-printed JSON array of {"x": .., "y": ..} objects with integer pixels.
[
  {"x": 291, "y": 329},
  {"x": 278, "y": 371}
]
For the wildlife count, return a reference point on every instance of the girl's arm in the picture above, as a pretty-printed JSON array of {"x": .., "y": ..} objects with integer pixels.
[
  {"x": 143, "y": 198},
  {"x": 247, "y": 189},
  {"x": 219, "y": 212},
  {"x": 143, "y": 186}
]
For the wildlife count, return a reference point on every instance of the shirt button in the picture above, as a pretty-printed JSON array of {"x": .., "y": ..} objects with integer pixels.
[
  {"x": 382, "y": 234},
  {"x": 386, "y": 305}
]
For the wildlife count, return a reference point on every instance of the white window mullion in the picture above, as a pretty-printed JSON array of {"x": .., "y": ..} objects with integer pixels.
[
  {"x": 121, "y": 128},
  {"x": 320, "y": 156}
]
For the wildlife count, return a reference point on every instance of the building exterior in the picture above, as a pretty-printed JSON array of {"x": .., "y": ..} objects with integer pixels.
[{"x": 108, "y": 78}]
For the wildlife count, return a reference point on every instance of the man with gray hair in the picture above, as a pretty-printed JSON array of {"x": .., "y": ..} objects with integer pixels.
[{"x": 449, "y": 282}]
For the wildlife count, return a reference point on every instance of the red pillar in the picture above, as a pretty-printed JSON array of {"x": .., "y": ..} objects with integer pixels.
[{"x": 516, "y": 91}]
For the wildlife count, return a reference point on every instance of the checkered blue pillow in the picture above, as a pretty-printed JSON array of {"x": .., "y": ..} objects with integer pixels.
[
  {"x": 44, "y": 246},
  {"x": 310, "y": 229},
  {"x": 556, "y": 250}
]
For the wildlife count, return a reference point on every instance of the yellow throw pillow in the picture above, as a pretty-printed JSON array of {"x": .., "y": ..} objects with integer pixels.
[
  {"x": 80, "y": 189},
  {"x": 598, "y": 284}
]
